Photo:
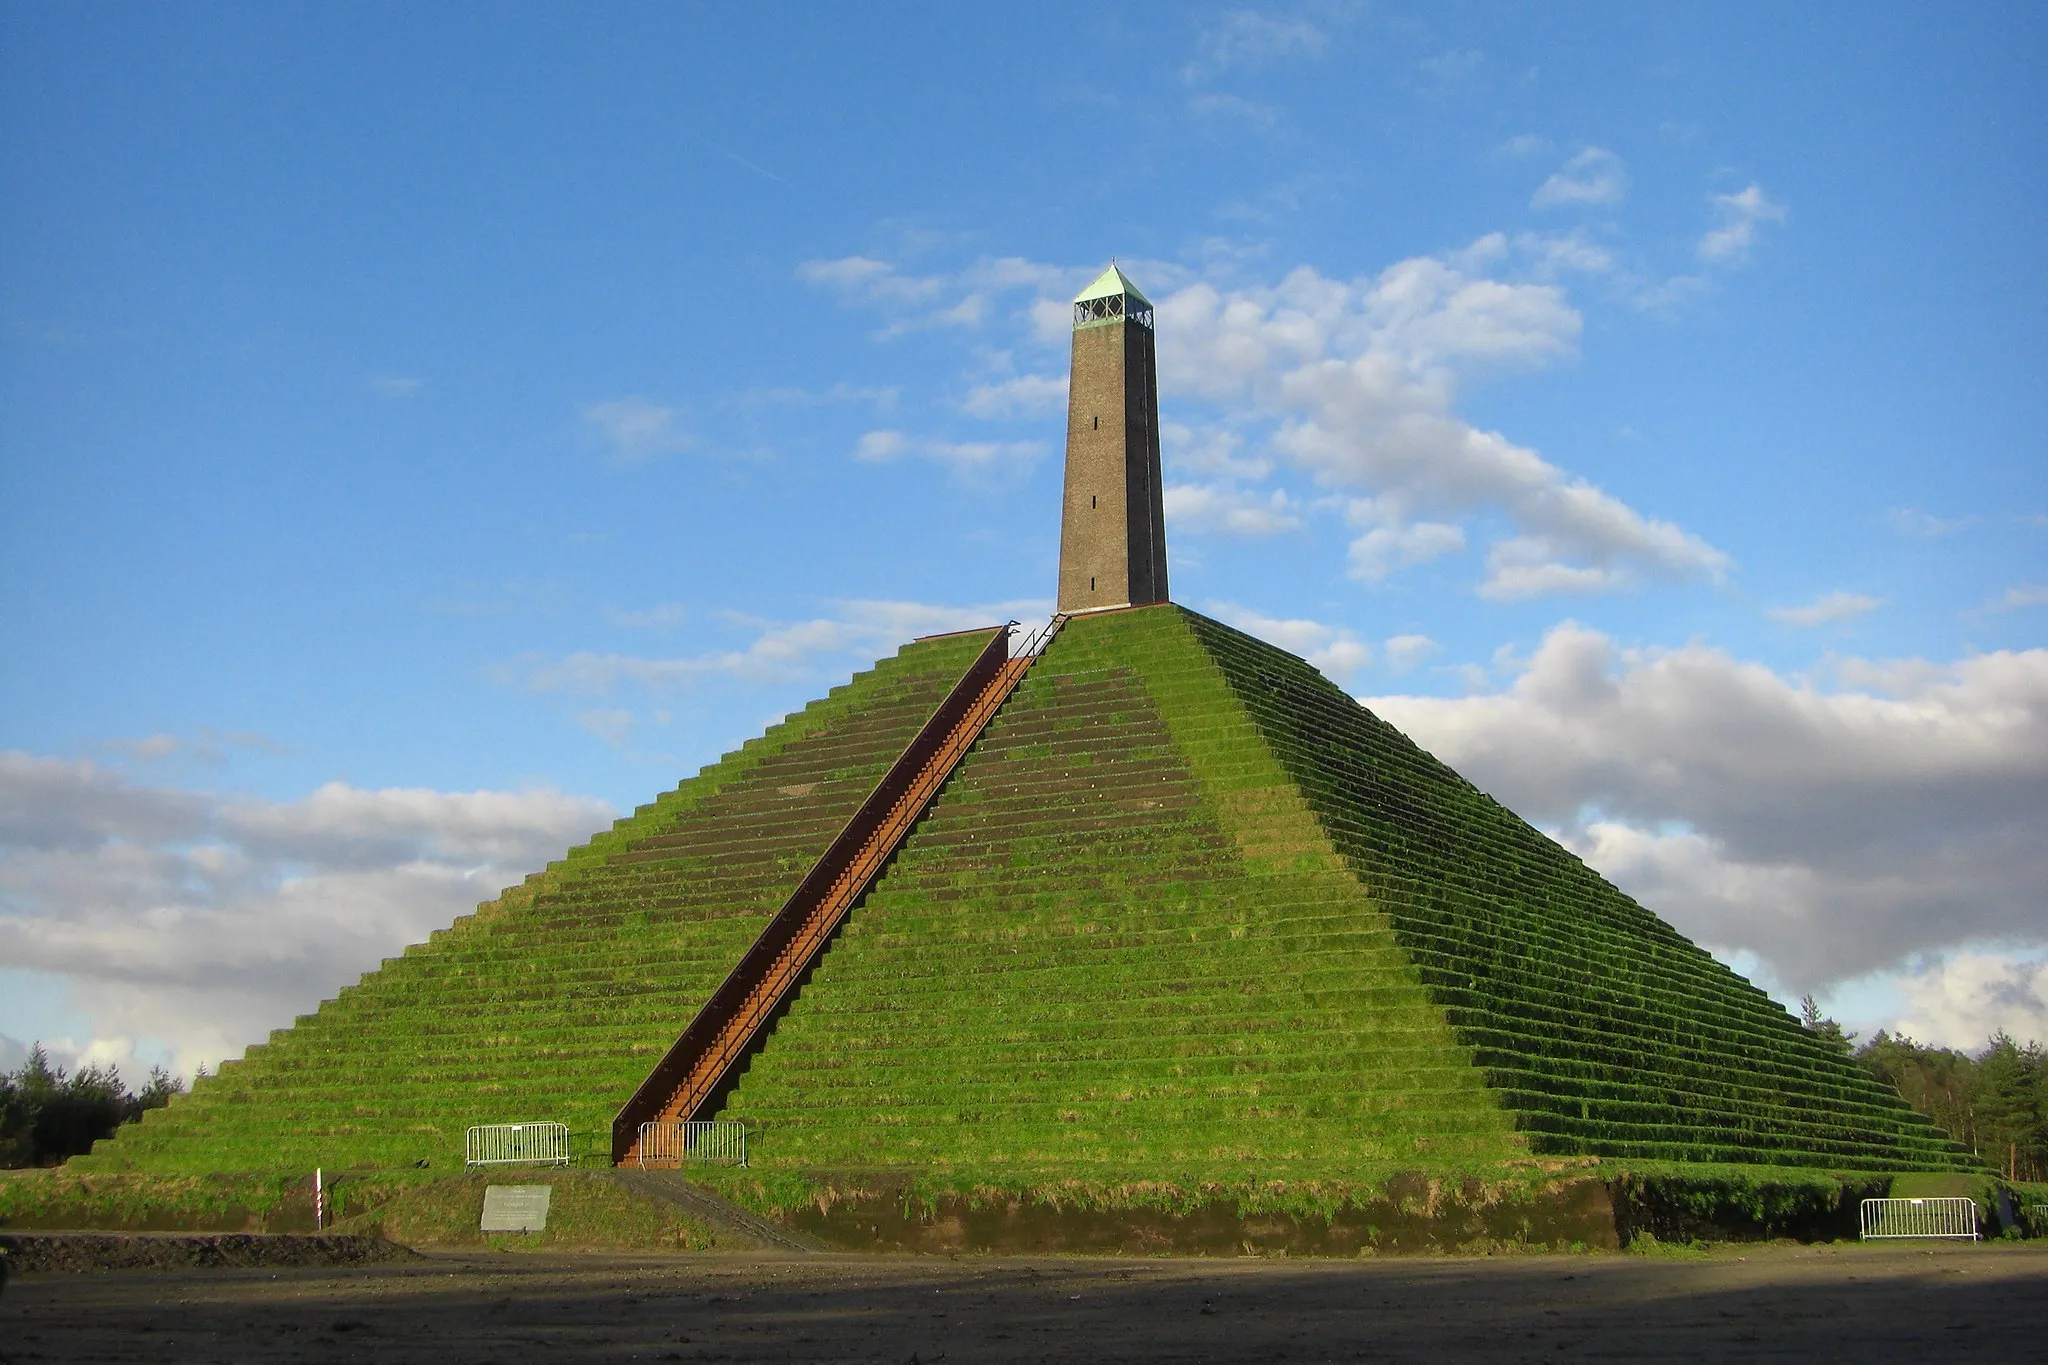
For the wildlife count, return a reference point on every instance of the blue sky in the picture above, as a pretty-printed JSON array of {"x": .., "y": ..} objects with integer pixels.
[{"x": 427, "y": 434}]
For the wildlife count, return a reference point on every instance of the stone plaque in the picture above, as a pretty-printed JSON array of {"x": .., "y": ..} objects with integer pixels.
[{"x": 516, "y": 1208}]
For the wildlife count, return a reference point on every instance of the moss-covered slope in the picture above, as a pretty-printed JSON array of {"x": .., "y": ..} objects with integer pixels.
[
  {"x": 1121, "y": 944},
  {"x": 552, "y": 1002},
  {"x": 1188, "y": 906},
  {"x": 1601, "y": 1027},
  {"x": 1186, "y": 911}
]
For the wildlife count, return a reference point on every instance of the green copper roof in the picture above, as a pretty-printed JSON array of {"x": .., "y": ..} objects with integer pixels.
[{"x": 1108, "y": 285}]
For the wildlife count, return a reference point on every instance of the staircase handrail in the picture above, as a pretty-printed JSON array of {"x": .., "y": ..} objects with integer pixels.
[{"x": 839, "y": 859}]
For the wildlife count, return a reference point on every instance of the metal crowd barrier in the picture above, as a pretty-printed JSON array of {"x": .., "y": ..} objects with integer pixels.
[
  {"x": 522, "y": 1144},
  {"x": 670, "y": 1142},
  {"x": 1920, "y": 1218}
]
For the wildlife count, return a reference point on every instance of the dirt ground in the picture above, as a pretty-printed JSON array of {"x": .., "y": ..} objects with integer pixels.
[{"x": 1780, "y": 1302}]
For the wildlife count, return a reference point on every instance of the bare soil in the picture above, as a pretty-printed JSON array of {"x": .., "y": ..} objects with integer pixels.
[
  {"x": 1770, "y": 1302},
  {"x": 79, "y": 1253}
]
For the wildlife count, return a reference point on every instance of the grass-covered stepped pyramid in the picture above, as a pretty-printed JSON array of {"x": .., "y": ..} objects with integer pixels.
[
  {"x": 1186, "y": 913},
  {"x": 553, "y": 1001},
  {"x": 1189, "y": 909}
]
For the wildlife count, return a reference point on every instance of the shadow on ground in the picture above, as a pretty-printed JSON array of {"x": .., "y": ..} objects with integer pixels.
[{"x": 1762, "y": 1303}]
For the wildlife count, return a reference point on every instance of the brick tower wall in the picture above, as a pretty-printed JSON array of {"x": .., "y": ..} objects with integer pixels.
[{"x": 1112, "y": 530}]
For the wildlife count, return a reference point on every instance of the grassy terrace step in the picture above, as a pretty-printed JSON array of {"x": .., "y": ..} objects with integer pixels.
[
  {"x": 1506, "y": 926},
  {"x": 1185, "y": 907},
  {"x": 552, "y": 1002},
  {"x": 1073, "y": 952}
]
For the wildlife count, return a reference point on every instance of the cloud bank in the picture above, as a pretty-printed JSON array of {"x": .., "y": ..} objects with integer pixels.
[
  {"x": 1352, "y": 383},
  {"x": 1831, "y": 832},
  {"x": 199, "y": 922}
]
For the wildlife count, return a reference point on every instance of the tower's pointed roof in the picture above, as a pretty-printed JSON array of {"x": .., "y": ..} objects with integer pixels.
[{"x": 1109, "y": 284}]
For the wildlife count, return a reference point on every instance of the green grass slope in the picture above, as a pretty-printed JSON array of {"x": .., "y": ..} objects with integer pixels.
[
  {"x": 1119, "y": 946},
  {"x": 552, "y": 1002},
  {"x": 1603, "y": 1029}
]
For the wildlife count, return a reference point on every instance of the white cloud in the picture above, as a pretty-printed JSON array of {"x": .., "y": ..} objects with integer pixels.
[
  {"x": 1832, "y": 833},
  {"x": 1526, "y": 567},
  {"x": 13, "y": 1052},
  {"x": 1451, "y": 73},
  {"x": 1024, "y": 395},
  {"x": 202, "y": 921},
  {"x": 878, "y": 447},
  {"x": 1583, "y": 541},
  {"x": 1961, "y": 1001},
  {"x": 1234, "y": 109},
  {"x": 963, "y": 457},
  {"x": 1002, "y": 274},
  {"x": 1390, "y": 544},
  {"x": 1554, "y": 253},
  {"x": 1594, "y": 176},
  {"x": 1662, "y": 296},
  {"x": 1404, "y": 652},
  {"x": 1826, "y": 609},
  {"x": 1910, "y": 521},
  {"x": 393, "y": 386},
  {"x": 867, "y": 279},
  {"x": 205, "y": 746},
  {"x": 1200, "y": 507},
  {"x": 1246, "y": 38},
  {"x": 880, "y": 398},
  {"x": 1523, "y": 145},
  {"x": 1355, "y": 382},
  {"x": 666, "y": 616},
  {"x": 123, "y": 1054},
  {"x": 636, "y": 428},
  {"x": 1212, "y": 450},
  {"x": 2021, "y": 595},
  {"x": 609, "y": 724},
  {"x": 1361, "y": 378},
  {"x": 780, "y": 650},
  {"x": 912, "y": 302},
  {"x": 1740, "y": 214},
  {"x": 1333, "y": 649}
]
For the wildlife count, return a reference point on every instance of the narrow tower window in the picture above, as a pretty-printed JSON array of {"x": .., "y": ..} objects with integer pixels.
[
  {"x": 1095, "y": 424},
  {"x": 1091, "y": 502}
]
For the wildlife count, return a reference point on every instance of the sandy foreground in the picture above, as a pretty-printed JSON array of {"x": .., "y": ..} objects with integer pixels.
[{"x": 1755, "y": 1303}]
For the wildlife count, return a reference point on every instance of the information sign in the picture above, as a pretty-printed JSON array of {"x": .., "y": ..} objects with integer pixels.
[{"x": 516, "y": 1208}]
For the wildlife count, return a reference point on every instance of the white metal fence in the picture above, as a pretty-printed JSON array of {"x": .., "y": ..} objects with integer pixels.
[
  {"x": 516, "y": 1144},
  {"x": 670, "y": 1142},
  {"x": 1920, "y": 1218}
]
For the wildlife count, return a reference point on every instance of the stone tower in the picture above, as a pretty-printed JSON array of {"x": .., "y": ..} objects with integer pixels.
[{"x": 1113, "y": 527}]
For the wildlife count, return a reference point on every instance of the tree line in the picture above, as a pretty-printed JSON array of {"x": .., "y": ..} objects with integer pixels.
[
  {"x": 47, "y": 1115},
  {"x": 1994, "y": 1101}
]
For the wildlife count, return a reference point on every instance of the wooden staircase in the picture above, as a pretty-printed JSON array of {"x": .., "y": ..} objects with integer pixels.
[{"x": 695, "y": 1073}]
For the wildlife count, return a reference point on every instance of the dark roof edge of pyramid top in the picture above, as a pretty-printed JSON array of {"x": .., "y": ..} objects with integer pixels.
[{"x": 1111, "y": 283}]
